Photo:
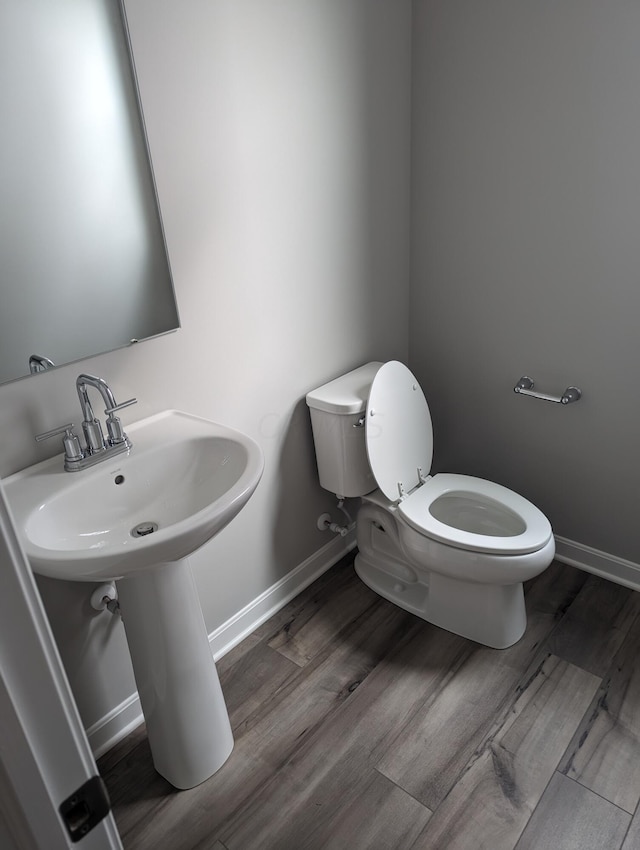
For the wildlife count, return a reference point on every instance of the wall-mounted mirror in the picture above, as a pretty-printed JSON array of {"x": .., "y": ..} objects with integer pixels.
[{"x": 83, "y": 262}]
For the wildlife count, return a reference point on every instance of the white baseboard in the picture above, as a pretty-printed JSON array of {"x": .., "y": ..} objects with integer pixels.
[
  {"x": 599, "y": 563},
  {"x": 122, "y": 719},
  {"x": 115, "y": 725}
]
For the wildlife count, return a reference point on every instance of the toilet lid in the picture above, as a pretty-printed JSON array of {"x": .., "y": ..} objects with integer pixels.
[{"x": 399, "y": 434}]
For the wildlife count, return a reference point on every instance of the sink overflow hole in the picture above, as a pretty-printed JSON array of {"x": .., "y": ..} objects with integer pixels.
[
  {"x": 144, "y": 528},
  {"x": 119, "y": 479}
]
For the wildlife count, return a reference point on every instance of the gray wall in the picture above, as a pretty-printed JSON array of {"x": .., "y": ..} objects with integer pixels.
[
  {"x": 280, "y": 139},
  {"x": 526, "y": 250}
]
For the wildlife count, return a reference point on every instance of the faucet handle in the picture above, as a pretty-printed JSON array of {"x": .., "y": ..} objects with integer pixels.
[
  {"x": 117, "y": 436},
  {"x": 63, "y": 429},
  {"x": 72, "y": 448},
  {"x": 111, "y": 410}
]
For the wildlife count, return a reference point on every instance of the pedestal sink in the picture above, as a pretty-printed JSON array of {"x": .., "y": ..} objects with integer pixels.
[{"x": 135, "y": 519}]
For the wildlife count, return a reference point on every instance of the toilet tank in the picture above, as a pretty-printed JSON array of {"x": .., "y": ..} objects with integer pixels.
[{"x": 337, "y": 419}]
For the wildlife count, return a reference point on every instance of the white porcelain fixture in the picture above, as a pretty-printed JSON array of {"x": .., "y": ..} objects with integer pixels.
[
  {"x": 451, "y": 548},
  {"x": 135, "y": 519}
]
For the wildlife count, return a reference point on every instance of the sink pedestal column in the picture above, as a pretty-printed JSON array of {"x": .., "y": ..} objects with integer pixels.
[{"x": 182, "y": 701}]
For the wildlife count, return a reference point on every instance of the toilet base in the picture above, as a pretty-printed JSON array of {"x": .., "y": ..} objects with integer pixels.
[{"x": 493, "y": 615}]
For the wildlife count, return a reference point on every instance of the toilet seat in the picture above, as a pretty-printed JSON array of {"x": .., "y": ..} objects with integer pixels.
[
  {"x": 458, "y": 510},
  {"x": 489, "y": 518}
]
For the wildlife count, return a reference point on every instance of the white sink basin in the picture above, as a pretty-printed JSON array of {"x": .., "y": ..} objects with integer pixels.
[{"x": 184, "y": 479}]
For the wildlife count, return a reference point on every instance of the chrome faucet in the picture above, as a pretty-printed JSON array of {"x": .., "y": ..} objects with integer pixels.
[{"x": 96, "y": 448}]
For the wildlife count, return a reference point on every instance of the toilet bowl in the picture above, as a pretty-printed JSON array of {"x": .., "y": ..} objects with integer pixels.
[{"x": 452, "y": 549}]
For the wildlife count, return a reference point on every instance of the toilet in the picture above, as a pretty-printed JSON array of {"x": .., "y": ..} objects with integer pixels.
[{"x": 452, "y": 549}]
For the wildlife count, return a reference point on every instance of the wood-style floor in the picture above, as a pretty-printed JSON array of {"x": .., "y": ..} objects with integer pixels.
[{"x": 357, "y": 725}]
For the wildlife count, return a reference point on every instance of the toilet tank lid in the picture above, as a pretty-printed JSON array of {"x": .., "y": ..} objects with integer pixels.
[{"x": 347, "y": 394}]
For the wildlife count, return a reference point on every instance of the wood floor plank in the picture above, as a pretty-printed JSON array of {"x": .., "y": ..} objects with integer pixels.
[
  {"x": 133, "y": 783},
  {"x": 632, "y": 840},
  {"x": 436, "y": 744},
  {"x": 570, "y": 817},
  {"x": 312, "y": 626},
  {"x": 432, "y": 750},
  {"x": 382, "y": 816},
  {"x": 250, "y": 679},
  {"x": 374, "y": 813},
  {"x": 238, "y": 653},
  {"x": 555, "y": 590},
  {"x": 328, "y": 768},
  {"x": 496, "y": 795},
  {"x": 122, "y": 749},
  {"x": 265, "y": 742},
  {"x": 206, "y": 843},
  {"x": 311, "y": 598},
  {"x": 302, "y": 775},
  {"x": 605, "y": 752},
  {"x": 338, "y": 812},
  {"x": 596, "y": 625}
]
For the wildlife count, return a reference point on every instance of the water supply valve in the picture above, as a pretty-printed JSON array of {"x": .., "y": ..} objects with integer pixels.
[
  {"x": 105, "y": 596},
  {"x": 326, "y": 523}
]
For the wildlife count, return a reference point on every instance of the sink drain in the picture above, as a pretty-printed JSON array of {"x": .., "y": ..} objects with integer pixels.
[{"x": 144, "y": 528}]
